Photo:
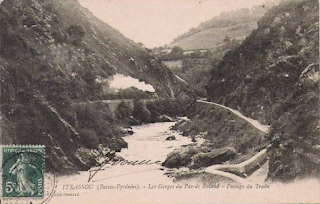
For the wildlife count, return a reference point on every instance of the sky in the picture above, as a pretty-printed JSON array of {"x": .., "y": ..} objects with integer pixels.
[{"x": 157, "y": 22}]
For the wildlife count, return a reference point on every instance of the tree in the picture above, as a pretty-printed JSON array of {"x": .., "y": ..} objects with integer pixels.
[
  {"x": 176, "y": 53},
  {"x": 140, "y": 112},
  {"x": 227, "y": 39},
  {"x": 76, "y": 33},
  {"x": 123, "y": 111},
  {"x": 89, "y": 138}
]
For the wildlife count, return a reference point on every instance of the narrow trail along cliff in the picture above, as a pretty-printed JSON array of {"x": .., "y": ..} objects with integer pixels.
[
  {"x": 243, "y": 169},
  {"x": 255, "y": 123}
]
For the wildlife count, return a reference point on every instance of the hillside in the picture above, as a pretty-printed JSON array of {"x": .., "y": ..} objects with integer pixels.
[
  {"x": 213, "y": 37},
  {"x": 273, "y": 76},
  {"x": 192, "y": 55},
  {"x": 236, "y": 24},
  {"x": 56, "y": 53},
  {"x": 193, "y": 66}
]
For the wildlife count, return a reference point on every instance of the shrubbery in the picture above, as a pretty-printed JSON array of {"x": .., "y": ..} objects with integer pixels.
[
  {"x": 97, "y": 126},
  {"x": 76, "y": 33},
  {"x": 140, "y": 111},
  {"x": 170, "y": 107},
  {"x": 88, "y": 138},
  {"x": 124, "y": 111}
]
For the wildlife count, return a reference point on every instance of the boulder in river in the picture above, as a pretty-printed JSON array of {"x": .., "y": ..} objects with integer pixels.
[
  {"x": 127, "y": 131},
  {"x": 179, "y": 158},
  {"x": 196, "y": 157},
  {"x": 170, "y": 138},
  {"x": 193, "y": 139},
  {"x": 216, "y": 156},
  {"x": 165, "y": 118}
]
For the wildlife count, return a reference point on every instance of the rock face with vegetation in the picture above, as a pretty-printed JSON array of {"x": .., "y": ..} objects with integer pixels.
[
  {"x": 273, "y": 76},
  {"x": 56, "y": 53},
  {"x": 227, "y": 138}
]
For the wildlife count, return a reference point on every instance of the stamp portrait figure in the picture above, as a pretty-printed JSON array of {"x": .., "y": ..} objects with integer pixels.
[
  {"x": 23, "y": 171},
  {"x": 24, "y": 185}
]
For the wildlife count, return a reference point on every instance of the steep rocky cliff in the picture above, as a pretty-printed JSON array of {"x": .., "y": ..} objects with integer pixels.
[
  {"x": 55, "y": 53},
  {"x": 273, "y": 76}
]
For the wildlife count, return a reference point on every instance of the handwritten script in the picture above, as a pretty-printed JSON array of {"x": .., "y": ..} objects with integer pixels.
[{"x": 113, "y": 162}]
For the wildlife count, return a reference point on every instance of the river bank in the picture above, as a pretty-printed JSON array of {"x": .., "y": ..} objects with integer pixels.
[
  {"x": 142, "y": 183},
  {"x": 229, "y": 136}
]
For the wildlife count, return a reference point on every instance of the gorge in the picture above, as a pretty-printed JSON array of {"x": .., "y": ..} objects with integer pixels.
[{"x": 235, "y": 111}]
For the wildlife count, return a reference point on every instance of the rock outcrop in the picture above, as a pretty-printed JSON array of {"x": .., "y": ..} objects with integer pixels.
[
  {"x": 170, "y": 138},
  {"x": 228, "y": 138},
  {"x": 196, "y": 157}
]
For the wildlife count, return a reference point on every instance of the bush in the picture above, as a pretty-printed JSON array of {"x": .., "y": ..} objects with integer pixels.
[
  {"x": 170, "y": 107},
  {"x": 123, "y": 111},
  {"x": 154, "y": 110},
  {"x": 76, "y": 33},
  {"x": 89, "y": 138},
  {"x": 176, "y": 53},
  {"x": 140, "y": 112},
  {"x": 104, "y": 129},
  {"x": 30, "y": 20},
  {"x": 28, "y": 131},
  {"x": 59, "y": 36}
]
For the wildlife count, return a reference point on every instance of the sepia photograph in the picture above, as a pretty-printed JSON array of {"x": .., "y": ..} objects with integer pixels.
[{"x": 159, "y": 101}]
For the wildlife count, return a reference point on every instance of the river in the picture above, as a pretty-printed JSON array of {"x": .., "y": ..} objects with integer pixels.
[
  {"x": 148, "y": 184},
  {"x": 147, "y": 143}
]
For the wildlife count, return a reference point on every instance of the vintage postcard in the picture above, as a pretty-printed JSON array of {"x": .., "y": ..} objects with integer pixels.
[{"x": 159, "y": 101}]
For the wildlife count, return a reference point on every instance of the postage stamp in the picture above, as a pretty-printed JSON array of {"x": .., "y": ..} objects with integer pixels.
[{"x": 23, "y": 171}]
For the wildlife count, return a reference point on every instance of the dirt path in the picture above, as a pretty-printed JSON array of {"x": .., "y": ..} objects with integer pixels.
[
  {"x": 255, "y": 123},
  {"x": 243, "y": 168}
]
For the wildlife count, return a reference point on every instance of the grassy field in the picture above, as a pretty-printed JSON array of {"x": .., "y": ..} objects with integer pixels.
[{"x": 210, "y": 38}]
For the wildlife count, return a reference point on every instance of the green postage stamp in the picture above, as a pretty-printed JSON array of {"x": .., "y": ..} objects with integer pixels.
[{"x": 23, "y": 171}]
